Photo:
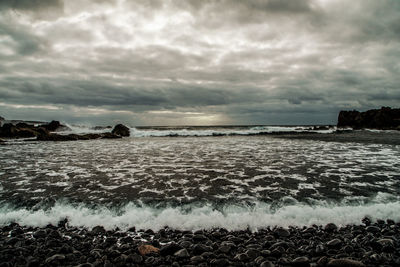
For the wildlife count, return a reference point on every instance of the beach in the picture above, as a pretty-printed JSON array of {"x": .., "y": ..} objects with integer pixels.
[{"x": 240, "y": 196}]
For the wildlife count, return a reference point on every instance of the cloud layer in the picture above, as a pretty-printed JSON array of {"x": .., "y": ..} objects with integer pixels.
[{"x": 197, "y": 62}]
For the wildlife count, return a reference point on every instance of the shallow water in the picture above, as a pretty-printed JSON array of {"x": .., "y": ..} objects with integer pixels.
[{"x": 193, "y": 182}]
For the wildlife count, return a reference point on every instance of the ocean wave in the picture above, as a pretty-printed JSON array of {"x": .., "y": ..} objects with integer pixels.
[
  {"x": 83, "y": 129},
  {"x": 231, "y": 217},
  {"x": 215, "y": 131},
  {"x": 198, "y": 131}
]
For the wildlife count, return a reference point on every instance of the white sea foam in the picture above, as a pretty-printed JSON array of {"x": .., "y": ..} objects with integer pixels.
[
  {"x": 231, "y": 217},
  {"x": 138, "y": 132},
  {"x": 82, "y": 129}
]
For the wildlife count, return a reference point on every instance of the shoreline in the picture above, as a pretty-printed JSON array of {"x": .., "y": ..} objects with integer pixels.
[
  {"x": 357, "y": 136},
  {"x": 369, "y": 244}
]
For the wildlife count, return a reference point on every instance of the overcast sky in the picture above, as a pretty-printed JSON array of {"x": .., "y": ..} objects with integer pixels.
[{"x": 166, "y": 62}]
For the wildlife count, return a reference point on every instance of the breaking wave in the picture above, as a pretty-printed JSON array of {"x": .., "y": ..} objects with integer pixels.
[
  {"x": 192, "y": 217},
  {"x": 198, "y": 131},
  {"x": 223, "y": 131}
]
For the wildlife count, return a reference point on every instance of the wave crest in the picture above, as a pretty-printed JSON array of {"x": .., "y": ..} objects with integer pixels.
[{"x": 231, "y": 217}]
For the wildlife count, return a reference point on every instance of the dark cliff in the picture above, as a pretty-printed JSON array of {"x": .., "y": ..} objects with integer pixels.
[{"x": 384, "y": 119}]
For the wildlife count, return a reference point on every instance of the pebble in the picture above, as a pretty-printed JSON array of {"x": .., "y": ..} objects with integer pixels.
[
  {"x": 56, "y": 257},
  {"x": 358, "y": 245},
  {"x": 344, "y": 263},
  {"x": 146, "y": 249},
  {"x": 301, "y": 262},
  {"x": 373, "y": 229},
  {"x": 282, "y": 232},
  {"x": 196, "y": 259},
  {"x": 183, "y": 253},
  {"x": 334, "y": 243},
  {"x": 386, "y": 242},
  {"x": 98, "y": 230},
  {"x": 170, "y": 249},
  {"x": 331, "y": 227},
  {"x": 267, "y": 264}
]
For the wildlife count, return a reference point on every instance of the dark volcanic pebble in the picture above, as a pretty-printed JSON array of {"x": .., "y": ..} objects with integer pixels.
[{"x": 369, "y": 244}]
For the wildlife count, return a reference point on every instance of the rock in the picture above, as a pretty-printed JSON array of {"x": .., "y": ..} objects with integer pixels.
[
  {"x": 146, "y": 249},
  {"x": 56, "y": 137},
  {"x": 390, "y": 222},
  {"x": 11, "y": 131},
  {"x": 39, "y": 234},
  {"x": 74, "y": 137},
  {"x": 344, "y": 263},
  {"x": 54, "y": 234},
  {"x": 301, "y": 262},
  {"x": 7, "y": 130},
  {"x": 279, "y": 244},
  {"x": 201, "y": 248},
  {"x": 220, "y": 262},
  {"x": 170, "y": 249},
  {"x": 110, "y": 136},
  {"x": 183, "y": 253},
  {"x": 386, "y": 242},
  {"x": 282, "y": 232},
  {"x": 185, "y": 244},
  {"x": 331, "y": 227},
  {"x": 52, "y": 126},
  {"x": 56, "y": 257},
  {"x": 121, "y": 130},
  {"x": 373, "y": 229},
  {"x": 224, "y": 249},
  {"x": 366, "y": 221},
  {"x": 241, "y": 257},
  {"x": 98, "y": 230},
  {"x": 16, "y": 232},
  {"x": 196, "y": 259},
  {"x": 199, "y": 238},
  {"x": 252, "y": 253},
  {"x": 32, "y": 262},
  {"x": 334, "y": 243},
  {"x": 384, "y": 118},
  {"x": 267, "y": 264},
  {"x": 135, "y": 258},
  {"x": 24, "y": 125}
]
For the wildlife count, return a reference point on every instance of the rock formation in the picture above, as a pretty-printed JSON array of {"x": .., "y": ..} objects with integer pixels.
[
  {"x": 385, "y": 118},
  {"x": 54, "y": 126},
  {"x": 75, "y": 137},
  {"x": 121, "y": 130},
  {"x": 46, "y": 132}
]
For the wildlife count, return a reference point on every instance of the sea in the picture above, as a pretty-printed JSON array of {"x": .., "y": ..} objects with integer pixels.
[{"x": 190, "y": 178}]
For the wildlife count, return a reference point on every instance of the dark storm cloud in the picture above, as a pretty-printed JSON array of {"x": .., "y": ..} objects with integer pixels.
[
  {"x": 229, "y": 61},
  {"x": 25, "y": 42},
  {"x": 30, "y": 4}
]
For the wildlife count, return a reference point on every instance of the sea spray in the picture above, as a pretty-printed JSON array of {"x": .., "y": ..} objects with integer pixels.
[{"x": 231, "y": 217}]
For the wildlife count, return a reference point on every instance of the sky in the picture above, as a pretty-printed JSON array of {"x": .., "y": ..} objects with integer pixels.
[{"x": 191, "y": 62}]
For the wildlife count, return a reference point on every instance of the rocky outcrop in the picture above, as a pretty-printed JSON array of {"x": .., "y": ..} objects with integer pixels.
[
  {"x": 54, "y": 126},
  {"x": 385, "y": 118},
  {"x": 12, "y": 131},
  {"x": 121, "y": 130},
  {"x": 45, "y": 132},
  {"x": 75, "y": 137}
]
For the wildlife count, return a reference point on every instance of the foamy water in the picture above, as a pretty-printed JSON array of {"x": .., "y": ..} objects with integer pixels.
[
  {"x": 232, "y": 217},
  {"x": 192, "y": 183},
  {"x": 199, "y": 131}
]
